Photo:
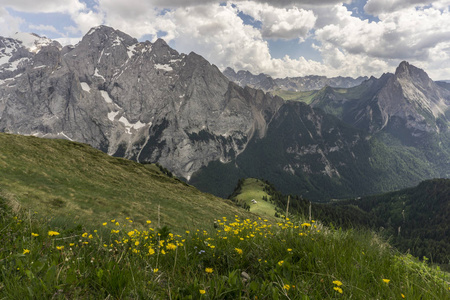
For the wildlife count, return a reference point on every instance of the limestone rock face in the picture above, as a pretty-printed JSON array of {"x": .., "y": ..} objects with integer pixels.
[
  {"x": 138, "y": 100},
  {"x": 409, "y": 99}
]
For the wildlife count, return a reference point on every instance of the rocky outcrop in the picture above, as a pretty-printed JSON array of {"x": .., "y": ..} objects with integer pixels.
[{"x": 409, "y": 99}]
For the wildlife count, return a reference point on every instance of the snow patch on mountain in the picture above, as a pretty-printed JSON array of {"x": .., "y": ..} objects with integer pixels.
[
  {"x": 129, "y": 126},
  {"x": 85, "y": 87},
  {"x": 130, "y": 50},
  {"x": 106, "y": 96},
  {"x": 32, "y": 41},
  {"x": 163, "y": 67},
  {"x": 98, "y": 75},
  {"x": 112, "y": 115}
]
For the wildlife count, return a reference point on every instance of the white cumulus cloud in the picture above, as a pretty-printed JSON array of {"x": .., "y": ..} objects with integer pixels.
[
  {"x": 8, "y": 23},
  {"x": 280, "y": 23}
]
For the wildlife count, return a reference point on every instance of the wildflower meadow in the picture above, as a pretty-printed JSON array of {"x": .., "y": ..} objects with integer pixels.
[{"x": 237, "y": 259}]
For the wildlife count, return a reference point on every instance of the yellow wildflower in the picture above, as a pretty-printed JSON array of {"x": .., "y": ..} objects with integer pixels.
[
  {"x": 131, "y": 233},
  {"x": 34, "y": 234},
  {"x": 239, "y": 251},
  {"x": 149, "y": 222},
  {"x": 113, "y": 220},
  {"x": 155, "y": 270},
  {"x": 60, "y": 247},
  {"x": 53, "y": 233},
  {"x": 202, "y": 292},
  {"x": 337, "y": 282},
  {"x": 72, "y": 244},
  {"x": 136, "y": 243},
  {"x": 286, "y": 287},
  {"x": 84, "y": 234},
  {"x": 163, "y": 252},
  {"x": 403, "y": 296},
  {"x": 104, "y": 224},
  {"x": 338, "y": 289},
  {"x": 209, "y": 270},
  {"x": 25, "y": 251},
  {"x": 171, "y": 246},
  {"x": 281, "y": 262},
  {"x": 289, "y": 250},
  {"x": 151, "y": 251},
  {"x": 90, "y": 236},
  {"x": 386, "y": 281}
]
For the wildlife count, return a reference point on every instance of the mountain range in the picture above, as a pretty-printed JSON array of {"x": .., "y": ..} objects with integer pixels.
[
  {"x": 146, "y": 102},
  {"x": 306, "y": 83}
]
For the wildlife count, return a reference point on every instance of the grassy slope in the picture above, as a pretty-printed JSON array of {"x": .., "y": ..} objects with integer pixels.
[
  {"x": 254, "y": 189},
  {"x": 72, "y": 180},
  {"x": 287, "y": 261},
  {"x": 306, "y": 97},
  {"x": 241, "y": 259}
]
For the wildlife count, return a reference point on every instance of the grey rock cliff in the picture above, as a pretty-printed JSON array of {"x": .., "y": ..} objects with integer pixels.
[
  {"x": 142, "y": 101},
  {"x": 408, "y": 97}
]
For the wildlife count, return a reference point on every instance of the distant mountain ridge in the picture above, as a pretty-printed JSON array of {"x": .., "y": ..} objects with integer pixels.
[{"x": 306, "y": 83}]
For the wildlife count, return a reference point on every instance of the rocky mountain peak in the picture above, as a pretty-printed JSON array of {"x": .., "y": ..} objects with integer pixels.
[
  {"x": 33, "y": 42},
  {"x": 410, "y": 72},
  {"x": 412, "y": 101},
  {"x": 161, "y": 43},
  {"x": 105, "y": 36},
  {"x": 229, "y": 72}
]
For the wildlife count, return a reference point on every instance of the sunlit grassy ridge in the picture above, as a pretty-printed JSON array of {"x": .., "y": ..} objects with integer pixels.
[
  {"x": 306, "y": 97},
  {"x": 63, "y": 179},
  {"x": 253, "y": 189},
  {"x": 239, "y": 259}
]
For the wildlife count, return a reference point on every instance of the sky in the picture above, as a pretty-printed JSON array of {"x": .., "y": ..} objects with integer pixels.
[{"x": 278, "y": 37}]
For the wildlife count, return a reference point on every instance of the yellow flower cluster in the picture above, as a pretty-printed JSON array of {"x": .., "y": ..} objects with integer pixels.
[
  {"x": 337, "y": 287},
  {"x": 149, "y": 242},
  {"x": 144, "y": 242}
]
